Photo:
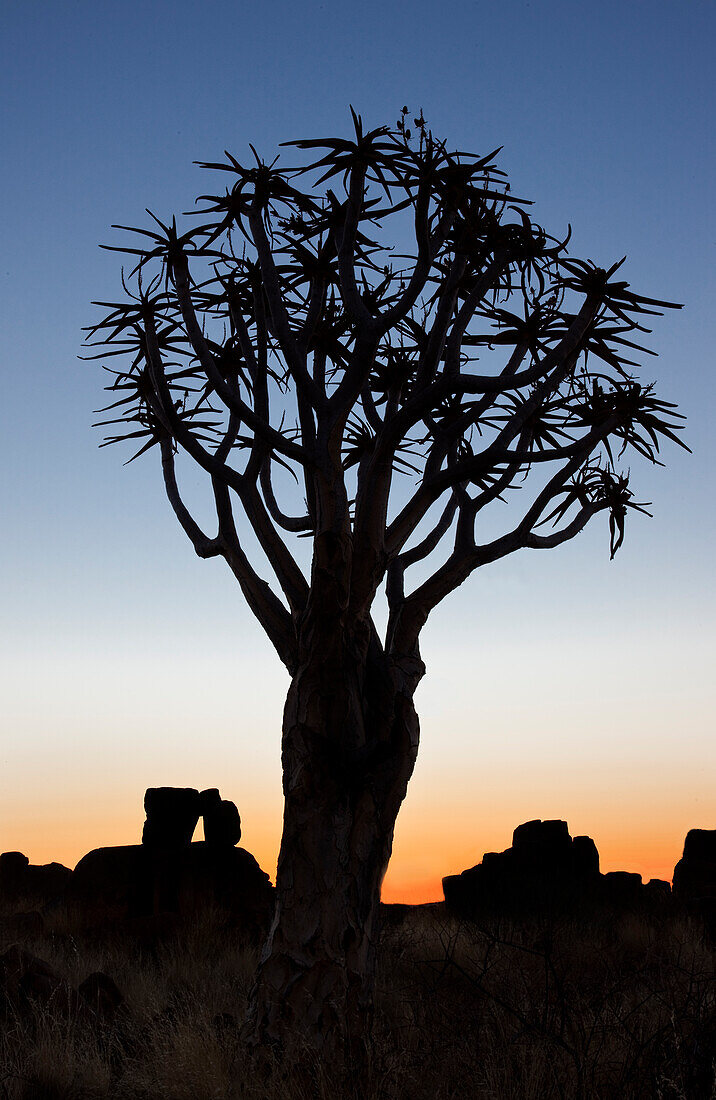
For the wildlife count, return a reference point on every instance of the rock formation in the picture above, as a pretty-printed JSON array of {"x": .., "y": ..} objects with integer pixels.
[
  {"x": 547, "y": 868},
  {"x": 169, "y": 876},
  {"x": 166, "y": 877},
  {"x": 695, "y": 874},
  {"x": 33, "y": 884},
  {"x": 172, "y": 815},
  {"x": 222, "y": 824},
  {"x": 545, "y": 865}
]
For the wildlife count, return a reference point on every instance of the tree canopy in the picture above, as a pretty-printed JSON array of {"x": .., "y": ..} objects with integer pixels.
[{"x": 464, "y": 353}]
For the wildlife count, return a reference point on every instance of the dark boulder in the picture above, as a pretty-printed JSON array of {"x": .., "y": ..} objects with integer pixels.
[
  {"x": 222, "y": 823},
  {"x": 114, "y": 883},
  {"x": 172, "y": 816},
  {"x": 229, "y": 879},
  {"x": 658, "y": 888},
  {"x": 621, "y": 889},
  {"x": 46, "y": 881},
  {"x": 27, "y": 981},
  {"x": 394, "y": 914},
  {"x": 700, "y": 844},
  {"x": 585, "y": 857},
  {"x": 110, "y": 886},
  {"x": 21, "y": 880},
  {"x": 13, "y": 867},
  {"x": 695, "y": 874},
  {"x": 551, "y": 836},
  {"x": 209, "y": 800},
  {"x": 102, "y": 995}
]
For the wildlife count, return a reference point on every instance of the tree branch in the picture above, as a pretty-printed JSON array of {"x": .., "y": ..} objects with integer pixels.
[
  {"x": 204, "y": 546},
  {"x": 294, "y": 355},
  {"x": 264, "y": 603},
  {"x": 232, "y": 401}
]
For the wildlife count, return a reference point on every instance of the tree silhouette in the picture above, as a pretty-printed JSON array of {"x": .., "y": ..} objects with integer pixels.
[{"x": 405, "y": 389}]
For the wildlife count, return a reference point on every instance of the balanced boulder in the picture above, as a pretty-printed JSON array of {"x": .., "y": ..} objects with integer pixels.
[
  {"x": 172, "y": 816},
  {"x": 222, "y": 823}
]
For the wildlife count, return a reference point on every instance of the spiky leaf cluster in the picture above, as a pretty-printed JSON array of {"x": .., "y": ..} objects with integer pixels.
[{"x": 379, "y": 305}]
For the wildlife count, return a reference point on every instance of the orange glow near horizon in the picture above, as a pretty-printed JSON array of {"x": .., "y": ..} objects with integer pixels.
[{"x": 423, "y": 854}]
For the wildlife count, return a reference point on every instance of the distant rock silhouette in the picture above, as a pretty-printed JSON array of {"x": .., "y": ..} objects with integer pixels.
[
  {"x": 658, "y": 888},
  {"x": 13, "y": 866},
  {"x": 695, "y": 873},
  {"x": 21, "y": 880},
  {"x": 621, "y": 889},
  {"x": 546, "y": 867}
]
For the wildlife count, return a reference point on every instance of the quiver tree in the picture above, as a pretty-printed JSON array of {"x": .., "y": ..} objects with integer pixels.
[{"x": 373, "y": 395}]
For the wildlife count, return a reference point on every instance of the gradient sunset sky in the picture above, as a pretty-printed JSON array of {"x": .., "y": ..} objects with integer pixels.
[{"x": 559, "y": 684}]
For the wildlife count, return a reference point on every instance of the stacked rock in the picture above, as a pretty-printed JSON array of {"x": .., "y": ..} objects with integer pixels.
[
  {"x": 222, "y": 823},
  {"x": 169, "y": 876},
  {"x": 173, "y": 814}
]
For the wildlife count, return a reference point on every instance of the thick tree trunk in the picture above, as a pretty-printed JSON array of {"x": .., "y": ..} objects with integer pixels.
[{"x": 350, "y": 741}]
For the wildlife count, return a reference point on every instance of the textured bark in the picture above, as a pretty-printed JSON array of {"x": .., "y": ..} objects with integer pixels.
[{"x": 350, "y": 742}]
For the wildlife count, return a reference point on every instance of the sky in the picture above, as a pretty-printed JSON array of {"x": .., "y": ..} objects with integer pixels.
[{"x": 559, "y": 684}]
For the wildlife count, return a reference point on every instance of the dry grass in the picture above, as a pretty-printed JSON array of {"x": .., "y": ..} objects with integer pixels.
[{"x": 617, "y": 1008}]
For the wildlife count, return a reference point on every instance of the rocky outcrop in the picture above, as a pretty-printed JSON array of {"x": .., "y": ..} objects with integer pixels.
[
  {"x": 36, "y": 884},
  {"x": 166, "y": 876},
  {"x": 134, "y": 882},
  {"x": 695, "y": 874},
  {"x": 621, "y": 889},
  {"x": 547, "y": 868},
  {"x": 544, "y": 865}
]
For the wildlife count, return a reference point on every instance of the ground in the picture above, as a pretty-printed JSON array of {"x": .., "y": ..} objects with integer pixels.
[{"x": 594, "y": 1008}]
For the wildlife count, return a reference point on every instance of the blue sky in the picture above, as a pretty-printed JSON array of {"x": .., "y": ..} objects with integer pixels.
[{"x": 126, "y": 661}]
